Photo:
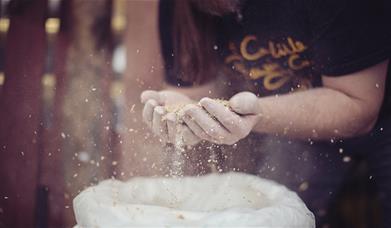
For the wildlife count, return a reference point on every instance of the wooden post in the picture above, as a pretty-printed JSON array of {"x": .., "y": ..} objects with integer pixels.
[{"x": 19, "y": 115}]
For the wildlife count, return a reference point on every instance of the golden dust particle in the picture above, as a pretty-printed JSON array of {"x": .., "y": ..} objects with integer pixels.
[
  {"x": 174, "y": 108},
  {"x": 132, "y": 108},
  {"x": 180, "y": 216},
  {"x": 303, "y": 186}
]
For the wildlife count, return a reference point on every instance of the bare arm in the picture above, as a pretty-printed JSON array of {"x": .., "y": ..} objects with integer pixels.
[{"x": 346, "y": 106}]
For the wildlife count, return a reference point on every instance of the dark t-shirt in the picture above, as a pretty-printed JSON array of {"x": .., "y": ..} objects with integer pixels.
[
  {"x": 277, "y": 47},
  {"x": 285, "y": 46}
]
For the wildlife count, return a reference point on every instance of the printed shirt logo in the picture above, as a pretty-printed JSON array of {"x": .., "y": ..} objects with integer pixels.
[{"x": 273, "y": 66}]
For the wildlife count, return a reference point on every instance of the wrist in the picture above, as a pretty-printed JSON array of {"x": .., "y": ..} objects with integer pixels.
[{"x": 261, "y": 116}]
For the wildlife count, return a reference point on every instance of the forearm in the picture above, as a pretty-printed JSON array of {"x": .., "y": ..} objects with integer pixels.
[{"x": 320, "y": 113}]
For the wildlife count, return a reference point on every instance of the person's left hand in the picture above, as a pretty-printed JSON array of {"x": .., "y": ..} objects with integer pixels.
[{"x": 214, "y": 122}]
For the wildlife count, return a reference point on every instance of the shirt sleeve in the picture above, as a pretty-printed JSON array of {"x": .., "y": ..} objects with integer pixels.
[{"x": 348, "y": 35}]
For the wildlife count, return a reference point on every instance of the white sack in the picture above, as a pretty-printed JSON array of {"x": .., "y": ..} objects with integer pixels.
[{"x": 215, "y": 200}]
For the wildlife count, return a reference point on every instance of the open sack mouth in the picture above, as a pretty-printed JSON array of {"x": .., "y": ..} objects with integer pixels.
[{"x": 230, "y": 199}]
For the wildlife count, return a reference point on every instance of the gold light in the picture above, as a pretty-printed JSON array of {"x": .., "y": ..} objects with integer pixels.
[
  {"x": 2, "y": 78},
  {"x": 118, "y": 20},
  {"x": 118, "y": 23},
  {"x": 48, "y": 83},
  {"x": 52, "y": 25},
  {"x": 48, "y": 80},
  {"x": 4, "y": 24},
  {"x": 116, "y": 89}
]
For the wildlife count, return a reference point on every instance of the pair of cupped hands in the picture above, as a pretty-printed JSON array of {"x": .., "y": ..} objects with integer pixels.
[{"x": 208, "y": 119}]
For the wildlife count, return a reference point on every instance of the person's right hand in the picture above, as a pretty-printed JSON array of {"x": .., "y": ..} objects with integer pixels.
[{"x": 161, "y": 122}]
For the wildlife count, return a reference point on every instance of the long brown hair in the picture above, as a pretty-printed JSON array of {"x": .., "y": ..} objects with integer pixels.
[{"x": 194, "y": 37}]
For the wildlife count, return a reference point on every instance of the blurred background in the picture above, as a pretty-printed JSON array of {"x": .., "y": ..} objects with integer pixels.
[{"x": 70, "y": 110}]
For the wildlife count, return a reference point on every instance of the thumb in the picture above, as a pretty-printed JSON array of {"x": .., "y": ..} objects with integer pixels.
[
  {"x": 148, "y": 95},
  {"x": 244, "y": 103}
]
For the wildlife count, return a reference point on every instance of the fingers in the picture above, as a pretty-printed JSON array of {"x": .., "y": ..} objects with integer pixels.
[
  {"x": 159, "y": 125},
  {"x": 189, "y": 138},
  {"x": 181, "y": 130},
  {"x": 148, "y": 111},
  {"x": 210, "y": 126},
  {"x": 223, "y": 114},
  {"x": 150, "y": 94},
  {"x": 244, "y": 103},
  {"x": 171, "y": 126},
  {"x": 196, "y": 129}
]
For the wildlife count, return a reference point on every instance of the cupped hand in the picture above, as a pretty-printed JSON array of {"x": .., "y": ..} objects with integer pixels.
[
  {"x": 161, "y": 120},
  {"x": 223, "y": 124}
]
